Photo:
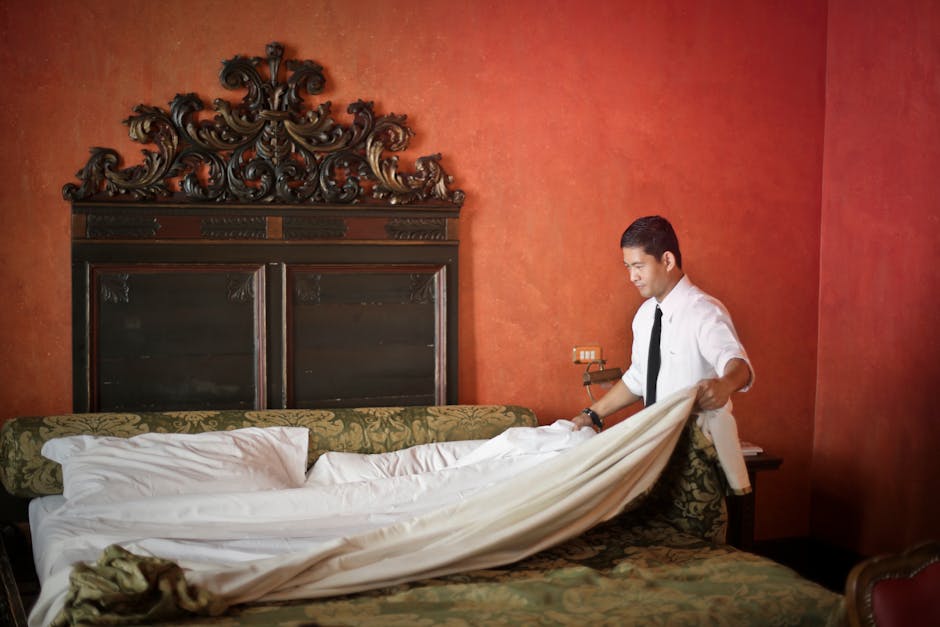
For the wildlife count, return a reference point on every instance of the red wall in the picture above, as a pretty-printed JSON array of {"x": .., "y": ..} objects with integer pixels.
[
  {"x": 563, "y": 121},
  {"x": 876, "y": 470}
]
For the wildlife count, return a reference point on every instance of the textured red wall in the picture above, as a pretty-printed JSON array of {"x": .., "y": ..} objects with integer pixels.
[
  {"x": 563, "y": 121},
  {"x": 876, "y": 466}
]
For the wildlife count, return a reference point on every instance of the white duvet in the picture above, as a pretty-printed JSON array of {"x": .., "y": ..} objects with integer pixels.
[{"x": 365, "y": 521}]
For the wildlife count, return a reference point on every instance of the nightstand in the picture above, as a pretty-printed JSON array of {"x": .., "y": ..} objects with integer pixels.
[{"x": 741, "y": 508}]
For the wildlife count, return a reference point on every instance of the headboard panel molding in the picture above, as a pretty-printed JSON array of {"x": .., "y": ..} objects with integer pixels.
[{"x": 269, "y": 257}]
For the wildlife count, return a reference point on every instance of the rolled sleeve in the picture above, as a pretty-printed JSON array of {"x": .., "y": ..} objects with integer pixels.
[
  {"x": 632, "y": 378},
  {"x": 719, "y": 344}
]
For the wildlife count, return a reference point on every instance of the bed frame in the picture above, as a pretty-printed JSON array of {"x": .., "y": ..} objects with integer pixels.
[{"x": 268, "y": 257}]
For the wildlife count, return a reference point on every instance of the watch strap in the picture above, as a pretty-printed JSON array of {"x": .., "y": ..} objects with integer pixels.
[{"x": 595, "y": 417}]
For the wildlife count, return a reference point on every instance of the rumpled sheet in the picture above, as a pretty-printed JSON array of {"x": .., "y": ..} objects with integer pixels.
[{"x": 327, "y": 540}]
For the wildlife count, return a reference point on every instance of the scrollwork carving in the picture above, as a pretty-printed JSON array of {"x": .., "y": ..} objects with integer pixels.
[
  {"x": 422, "y": 289},
  {"x": 252, "y": 227},
  {"x": 267, "y": 148},
  {"x": 307, "y": 289},
  {"x": 240, "y": 289},
  {"x": 121, "y": 226},
  {"x": 115, "y": 288},
  {"x": 417, "y": 228}
]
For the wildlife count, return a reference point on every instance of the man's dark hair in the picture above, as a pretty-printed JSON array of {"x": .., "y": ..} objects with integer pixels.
[{"x": 654, "y": 235}]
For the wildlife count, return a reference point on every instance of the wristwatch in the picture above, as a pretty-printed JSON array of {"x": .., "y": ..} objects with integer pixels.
[{"x": 595, "y": 418}]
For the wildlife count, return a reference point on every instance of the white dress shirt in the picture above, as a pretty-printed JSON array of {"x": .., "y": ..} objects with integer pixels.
[{"x": 698, "y": 341}]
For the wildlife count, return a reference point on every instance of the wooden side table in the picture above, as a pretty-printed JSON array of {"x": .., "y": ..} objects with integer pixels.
[{"x": 741, "y": 508}]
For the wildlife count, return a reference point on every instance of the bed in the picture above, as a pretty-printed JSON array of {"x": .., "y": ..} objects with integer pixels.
[
  {"x": 661, "y": 561},
  {"x": 271, "y": 273}
]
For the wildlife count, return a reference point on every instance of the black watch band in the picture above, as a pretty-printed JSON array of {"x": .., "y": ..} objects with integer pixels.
[{"x": 595, "y": 418}]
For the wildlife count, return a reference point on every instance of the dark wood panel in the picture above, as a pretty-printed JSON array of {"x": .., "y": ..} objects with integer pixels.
[
  {"x": 364, "y": 285},
  {"x": 177, "y": 382},
  {"x": 170, "y": 328},
  {"x": 177, "y": 337},
  {"x": 363, "y": 371},
  {"x": 366, "y": 324},
  {"x": 376, "y": 334}
]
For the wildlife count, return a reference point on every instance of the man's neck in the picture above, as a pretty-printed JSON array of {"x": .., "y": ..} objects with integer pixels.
[{"x": 672, "y": 284}]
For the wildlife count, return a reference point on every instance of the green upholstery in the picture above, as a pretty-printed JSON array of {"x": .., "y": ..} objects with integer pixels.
[{"x": 25, "y": 472}]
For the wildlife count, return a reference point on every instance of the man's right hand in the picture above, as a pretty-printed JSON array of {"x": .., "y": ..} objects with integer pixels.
[
  {"x": 616, "y": 398},
  {"x": 582, "y": 420}
]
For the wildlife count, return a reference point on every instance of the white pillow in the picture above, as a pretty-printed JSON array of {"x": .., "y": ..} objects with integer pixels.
[
  {"x": 103, "y": 469},
  {"x": 339, "y": 467}
]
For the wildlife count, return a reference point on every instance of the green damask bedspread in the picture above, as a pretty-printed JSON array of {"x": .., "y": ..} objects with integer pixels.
[{"x": 616, "y": 574}]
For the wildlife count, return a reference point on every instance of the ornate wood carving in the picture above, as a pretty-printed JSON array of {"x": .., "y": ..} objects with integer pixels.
[
  {"x": 122, "y": 226},
  {"x": 422, "y": 288},
  {"x": 307, "y": 289},
  {"x": 251, "y": 227},
  {"x": 267, "y": 148},
  {"x": 115, "y": 288},
  {"x": 240, "y": 289},
  {"x": 417, "y": 228}
]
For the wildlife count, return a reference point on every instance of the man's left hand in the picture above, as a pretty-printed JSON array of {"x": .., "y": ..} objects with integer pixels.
[{"x": 712, "y": 394}]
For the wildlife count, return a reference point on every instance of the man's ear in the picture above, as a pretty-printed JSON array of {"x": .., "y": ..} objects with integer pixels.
[{"x": 669, "y": 260}]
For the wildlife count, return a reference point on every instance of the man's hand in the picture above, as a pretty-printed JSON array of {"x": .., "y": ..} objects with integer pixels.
[
  {"x": 714, "y": 393},
  {"x": 582, "y": 420},
  {"x": 616, "y": 398}
]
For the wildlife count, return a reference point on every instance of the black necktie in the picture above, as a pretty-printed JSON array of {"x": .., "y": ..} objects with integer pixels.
[{"x": 652, "y": 363}]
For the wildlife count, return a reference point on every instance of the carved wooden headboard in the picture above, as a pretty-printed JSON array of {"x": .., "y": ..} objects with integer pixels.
[{"x": 267, "y": 257}]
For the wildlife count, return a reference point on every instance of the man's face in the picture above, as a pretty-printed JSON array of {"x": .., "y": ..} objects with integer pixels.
[{"x": 649, "y": 274}]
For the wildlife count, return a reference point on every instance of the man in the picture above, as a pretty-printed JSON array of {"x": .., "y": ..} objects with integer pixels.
[{"x": 697, "y": 341}]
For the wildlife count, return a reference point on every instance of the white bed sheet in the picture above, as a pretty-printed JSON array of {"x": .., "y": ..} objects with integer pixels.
[
  {"x": 341, "y": 467},
  {"x": 221, "y": 530}
]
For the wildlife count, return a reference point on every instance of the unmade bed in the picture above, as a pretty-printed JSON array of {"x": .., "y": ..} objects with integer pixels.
[
  {"x": 273, "y": 282},
  {"x": 543, "y": 544}
]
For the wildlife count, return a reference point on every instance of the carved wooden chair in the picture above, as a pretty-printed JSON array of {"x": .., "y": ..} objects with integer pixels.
[{"x": 898, "y": 590}]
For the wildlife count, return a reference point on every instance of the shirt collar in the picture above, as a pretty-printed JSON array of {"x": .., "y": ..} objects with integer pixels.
[{"x": 676, "y": 297}]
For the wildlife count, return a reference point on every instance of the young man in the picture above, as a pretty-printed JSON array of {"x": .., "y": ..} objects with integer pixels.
[{"x": 693, "y": 341}]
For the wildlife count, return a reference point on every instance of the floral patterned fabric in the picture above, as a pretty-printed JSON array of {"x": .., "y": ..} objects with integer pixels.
[
  {"x": 614, "y": 575},
  {"x": 25, "y": 472}
]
